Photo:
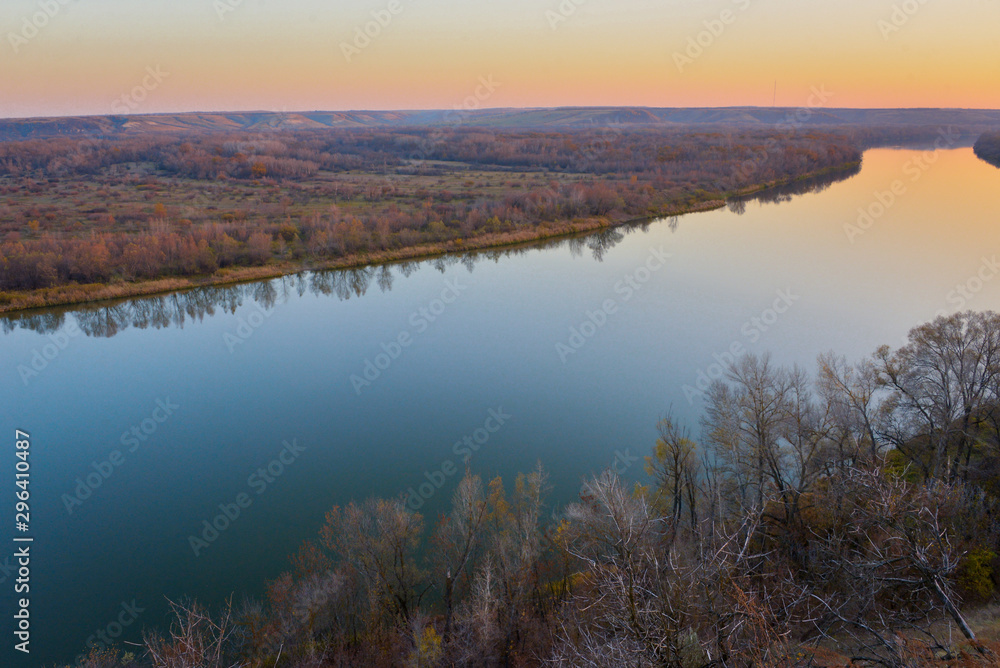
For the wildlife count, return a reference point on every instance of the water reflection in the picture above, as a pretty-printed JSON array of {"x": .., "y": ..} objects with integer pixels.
[
  {"x": 784, "y": 193},
  {"x": 108, "y": 318}
]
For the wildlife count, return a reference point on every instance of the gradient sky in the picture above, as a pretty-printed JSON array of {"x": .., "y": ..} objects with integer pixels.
[{"x": 286, "y": 55}]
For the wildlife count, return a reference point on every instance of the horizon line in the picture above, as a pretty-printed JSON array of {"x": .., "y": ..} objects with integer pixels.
[{"x": 485, "y": 109}]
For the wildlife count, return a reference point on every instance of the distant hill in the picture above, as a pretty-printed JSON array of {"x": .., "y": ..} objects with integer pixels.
[
  {"x": 561, "y": 118},
  {"x": 988, "y": 148}
]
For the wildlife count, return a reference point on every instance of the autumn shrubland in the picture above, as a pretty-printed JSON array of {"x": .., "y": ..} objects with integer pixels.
[{"x": 80, "y": 212}]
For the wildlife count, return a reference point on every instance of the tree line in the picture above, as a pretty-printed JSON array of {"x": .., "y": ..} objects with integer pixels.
[
  {"x": 296, "y": 155},
  {"x": 987, "y": 148},
  {"x": 849, "y": 514}
]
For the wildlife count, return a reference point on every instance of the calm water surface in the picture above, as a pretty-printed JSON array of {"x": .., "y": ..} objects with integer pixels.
[{"x": 578, "y": 346}]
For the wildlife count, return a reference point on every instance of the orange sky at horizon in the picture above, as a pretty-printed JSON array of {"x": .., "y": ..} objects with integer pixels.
[{"x": 230, "y": 55}]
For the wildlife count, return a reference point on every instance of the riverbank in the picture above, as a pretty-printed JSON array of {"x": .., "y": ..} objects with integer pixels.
[
  {"x": 63, "y": 295},
  {"x": 987, "y": 148}
]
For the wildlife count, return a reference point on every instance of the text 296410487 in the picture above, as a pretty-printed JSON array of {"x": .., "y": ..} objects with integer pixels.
[{"x": 22, "y": 520}]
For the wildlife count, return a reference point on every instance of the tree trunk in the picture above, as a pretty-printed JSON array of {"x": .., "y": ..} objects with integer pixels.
[{"x": 954, "y": 612}]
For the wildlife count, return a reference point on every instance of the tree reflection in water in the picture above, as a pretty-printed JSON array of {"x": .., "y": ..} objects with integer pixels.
[{"x": 784, "y": 193}]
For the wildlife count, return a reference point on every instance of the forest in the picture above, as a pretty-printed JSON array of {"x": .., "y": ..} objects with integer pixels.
[
  {"x": 987, "y": 148},
  {"x": 845, "y": 516},
  {"x": 78, "y": 213}
]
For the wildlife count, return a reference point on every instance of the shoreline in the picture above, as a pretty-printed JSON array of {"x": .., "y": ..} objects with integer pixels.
[{"x": 69, "y": 295}]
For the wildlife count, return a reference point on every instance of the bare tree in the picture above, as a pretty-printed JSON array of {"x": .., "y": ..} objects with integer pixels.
[
  {"x": 675, "y": 468},
  {"x": 763, "y": 427},
  {"x": 851, "y": 394},
  {"x": 635, "y": 608},
  {"x": 195, "y": 639},
  {"x": 939, "y": 380},
  {"x": 459, "y": 539},
  {"x": 886, "y": 564},
  {"x": 515, "y": 549},
  {"x": 378, "y": 541}
]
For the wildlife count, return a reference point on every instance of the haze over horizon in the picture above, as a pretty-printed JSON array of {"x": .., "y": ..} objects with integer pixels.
[
  {"x": 484, "y": 109},
  {"x": 97, "y": 57}
]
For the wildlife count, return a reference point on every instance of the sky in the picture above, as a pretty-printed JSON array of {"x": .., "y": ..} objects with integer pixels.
[{"x": 83, "y": 57}]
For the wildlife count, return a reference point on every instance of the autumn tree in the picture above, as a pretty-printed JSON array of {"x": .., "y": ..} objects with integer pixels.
[
  {"x": 939, "y": 382},
  {"x": 378, "y": 540}
]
